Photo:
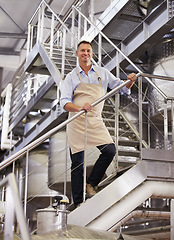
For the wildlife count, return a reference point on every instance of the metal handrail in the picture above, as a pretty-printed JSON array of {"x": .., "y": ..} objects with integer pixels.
[
  {"x": 157, "y": 76},
  {"x": 41, "y": 139}
]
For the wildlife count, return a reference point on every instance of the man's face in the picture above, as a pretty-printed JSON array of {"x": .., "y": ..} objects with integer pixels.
[{"x": 84, "y": 53}]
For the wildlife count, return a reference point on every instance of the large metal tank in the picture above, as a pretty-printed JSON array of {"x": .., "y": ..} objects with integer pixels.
[
  {"x": 58, "y": 154},
  {"x": 38, "y": 173},
  {"x": 163, "y": 60},
  {"x": 37, "y": 164},
  {"x": 164, "y": 67}
]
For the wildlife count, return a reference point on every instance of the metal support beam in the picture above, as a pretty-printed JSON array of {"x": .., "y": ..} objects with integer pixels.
[
  {"x": 149, "y": 31},
  {"x": 13, "y": 35},
  {"x": 9, "y": 51}
]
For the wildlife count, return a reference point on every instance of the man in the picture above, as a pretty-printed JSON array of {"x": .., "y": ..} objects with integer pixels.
[{"x": 81, "y": 87}]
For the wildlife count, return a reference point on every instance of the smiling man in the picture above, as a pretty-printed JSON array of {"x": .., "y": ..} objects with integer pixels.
[{"x": 81, "y": 87}]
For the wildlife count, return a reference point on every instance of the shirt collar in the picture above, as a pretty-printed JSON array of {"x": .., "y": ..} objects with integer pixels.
[{"x": 81, "y": 70}]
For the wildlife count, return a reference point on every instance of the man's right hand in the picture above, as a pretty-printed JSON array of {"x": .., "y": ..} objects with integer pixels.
[
  {"x": 87, "y": 107},
  {"x": 70, "y": 107}
]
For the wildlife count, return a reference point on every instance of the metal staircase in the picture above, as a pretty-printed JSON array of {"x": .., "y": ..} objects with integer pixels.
[
  {"x": 124, "y": 193},
  {"x": 47, "y": 60},
  {"x": 127, "y": 142}
]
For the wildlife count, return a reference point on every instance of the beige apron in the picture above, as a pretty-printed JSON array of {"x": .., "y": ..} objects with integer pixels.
[{"x": 97, "y": 133}]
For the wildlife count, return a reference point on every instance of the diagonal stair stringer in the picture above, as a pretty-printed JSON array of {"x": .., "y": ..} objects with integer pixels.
[{"x": 38, "y": 61}]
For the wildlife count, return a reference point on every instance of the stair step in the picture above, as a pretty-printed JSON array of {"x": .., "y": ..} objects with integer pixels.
[
  {"x": 128, "y": 153},
  {"x": 55, "y": 47},
  {"x": 131, "y": 143},
  {"x": 111, "y": 123},
  {"x": 122, "y": 132},
  {"x": 67, "y": 66},
  {"x": 68, "y": 60}
]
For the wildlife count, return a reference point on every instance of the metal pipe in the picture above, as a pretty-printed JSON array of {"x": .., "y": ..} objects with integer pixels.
[
  {"x": 5, "y": 141},
  {"x": 141, "y": 214}
]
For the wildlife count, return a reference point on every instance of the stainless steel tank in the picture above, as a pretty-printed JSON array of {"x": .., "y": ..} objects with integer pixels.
[
  {"x": 38, "y": 173},
  {"x": 164, "y": 67}
]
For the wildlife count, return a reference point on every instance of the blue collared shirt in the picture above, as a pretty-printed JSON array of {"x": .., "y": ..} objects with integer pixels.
[{"x": 72, "y": 81}]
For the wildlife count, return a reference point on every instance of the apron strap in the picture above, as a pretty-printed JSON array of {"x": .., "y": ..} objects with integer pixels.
[{"x": 99, "y": 78}]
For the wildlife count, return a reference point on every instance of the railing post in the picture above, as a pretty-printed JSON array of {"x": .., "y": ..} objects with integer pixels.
[
  {"x": 148, "y": 127},
  {"x": 172, "y": 123},
  {"x": 79, "y": 26},
  {"x": 63, "y": 52},
  {"x": 29, "y": 40},
  {"x": 72, "y": 28},
  {"x": 165, "y": 126},
  {"x": 85, "y": 157},
  {"x": 38, "y": 26},
  {"x": 117, "y": 65},
  {"x": 92, "y": 10},
  {"x": 117, "y": 105},
  {"x": 140, "y": 114},
  {"x": 52, "y": 36},
  {"x": 26, "y": 183},
  {"x": 42, "y": 23},
  {"x": 28, "y": 92},
  {"x": 66, "y": 166},
  {"x": 85, "y": 26},
  {"x": 99, "y": 49}
]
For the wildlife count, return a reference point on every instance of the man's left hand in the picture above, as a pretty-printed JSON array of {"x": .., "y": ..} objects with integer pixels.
[{"x": 132, "y": 77}]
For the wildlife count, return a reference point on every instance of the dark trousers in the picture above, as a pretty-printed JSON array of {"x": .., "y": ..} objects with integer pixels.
[{"x": 98, "y": 171}]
